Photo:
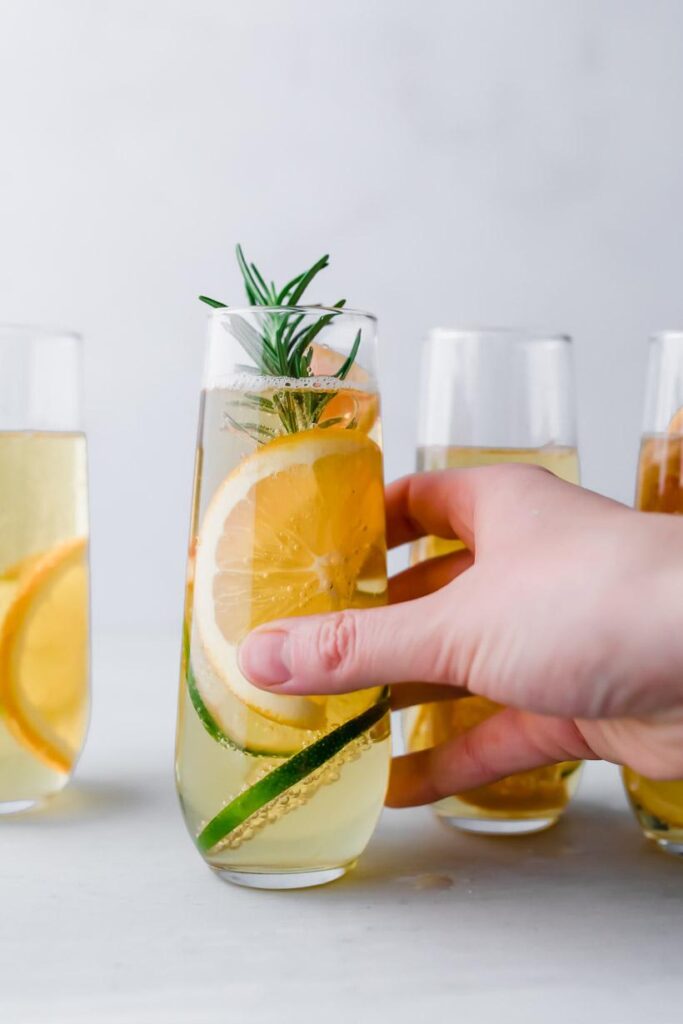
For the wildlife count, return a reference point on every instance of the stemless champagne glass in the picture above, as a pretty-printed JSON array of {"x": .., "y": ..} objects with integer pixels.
[
  {"x": 44, "y": 594},
  {"x": 658, "y": 806},
  {"x": 491, "y": 396},
  {"x": 288, "y": 519}
]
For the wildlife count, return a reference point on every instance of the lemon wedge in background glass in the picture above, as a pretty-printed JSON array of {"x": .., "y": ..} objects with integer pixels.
[{"x": 43, "y": 653}]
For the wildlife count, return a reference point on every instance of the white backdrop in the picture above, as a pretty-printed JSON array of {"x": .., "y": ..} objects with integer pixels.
[{"x": 463, "y": 162}]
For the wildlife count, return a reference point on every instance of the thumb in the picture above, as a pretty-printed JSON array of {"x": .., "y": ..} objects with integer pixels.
[{"x": 354, "y": 649}]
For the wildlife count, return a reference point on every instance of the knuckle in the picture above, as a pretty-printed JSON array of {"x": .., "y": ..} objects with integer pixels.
[
  {"x": 337, "y": 641},
  {"x": 521, "y": 474},
  {"x": 563, "y": 741}
]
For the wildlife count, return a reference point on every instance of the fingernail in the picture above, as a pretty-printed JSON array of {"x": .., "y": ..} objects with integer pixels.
[{"x": 263, "y": 658}]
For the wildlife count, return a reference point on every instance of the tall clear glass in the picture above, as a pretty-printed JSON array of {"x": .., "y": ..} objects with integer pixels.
[
  {"x": 658, "y": 806},
  {"x": 287, "y": 519},
  {"x": 44, "y": 580},
  {"x": 491, "y": 396}
]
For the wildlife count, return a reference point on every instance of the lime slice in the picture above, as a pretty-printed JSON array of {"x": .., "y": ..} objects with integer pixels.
[{"x": 302, "y": 766}]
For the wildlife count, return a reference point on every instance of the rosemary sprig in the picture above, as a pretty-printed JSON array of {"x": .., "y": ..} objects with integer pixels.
[{"x": 283, "y": 348}]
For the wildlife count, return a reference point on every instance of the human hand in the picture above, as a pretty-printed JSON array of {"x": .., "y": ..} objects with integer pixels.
[{"x": 565, "y": 608}]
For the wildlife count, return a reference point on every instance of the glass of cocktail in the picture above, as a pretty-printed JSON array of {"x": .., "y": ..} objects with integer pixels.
[
  {"x": 44, "y": 593},
  {"x": 492, "y": 396},
  {"x": 658, "y": 805},
  {"x": 287, "y": 519}
]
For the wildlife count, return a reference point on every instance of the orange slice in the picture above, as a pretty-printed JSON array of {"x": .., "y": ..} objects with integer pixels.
[
  {"x": 8, "y": 589},
  {"x": 296, "y": 529},
  {"x": 10, "y": 580},
  {"x": 663, "y": 800},
  {"x": 358, "y": 404},
  {"x": 660, "y": 475},
  {"x": 44, "y": 656},
  {"x": 535, "y": 790},
  {"x": 676, "y": 423}
]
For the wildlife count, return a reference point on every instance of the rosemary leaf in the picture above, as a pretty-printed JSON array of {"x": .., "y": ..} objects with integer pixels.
[
  {"x": 281, "y": 347},
  {"x": 306, "y": 280},
  {"x": 250, "y": 428},
  {"x": 257, "y": 275},
  {"x": 287, "y": 330},
  {"x": 253, "y": 343},
  {"x": 256, "y": 297},
  {"x": 282, "y": 295},
  {"x": 254, "y": 401},
  {"x": 304, "y": 338},
  {"x": 349, "y": 361}
]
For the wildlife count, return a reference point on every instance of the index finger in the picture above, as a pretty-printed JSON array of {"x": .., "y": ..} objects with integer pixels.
[{"x": 439, "y": 502}]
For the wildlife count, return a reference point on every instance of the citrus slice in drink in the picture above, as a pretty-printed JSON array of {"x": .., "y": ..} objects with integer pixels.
[
  {"x": 660, "y": 471},
  {"x": 44, "y": 656},
  {"x": 294, "y": 782},
  {"x": 350, "y": 405},
  {"x": 676, "y": 423},
  {"x": 535, "y": 790},
  {"x": 297, "y": 528},
  {"x": 660, "y": 800},
  {"x": 428, "y": 725},
  {"x": 232, "y": 723},
  {"x": 10, "y": 580},
  {"x": 8, "y": 589}
]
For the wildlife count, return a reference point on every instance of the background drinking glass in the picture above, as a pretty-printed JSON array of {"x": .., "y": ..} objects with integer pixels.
[
  {"x": 491, "y": 396},
  {"x": 44, "y": 590},
  {"x": 658, "y": 806},
  {"x": 288, "y": 519}
]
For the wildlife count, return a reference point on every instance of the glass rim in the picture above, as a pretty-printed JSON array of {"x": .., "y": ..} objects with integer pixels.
[
  {"x": 532, "y": 335},
  {"x": 226, "y": 311},
  {"x": 40, "y": 332},
  {"x": 669, "y": 334}
]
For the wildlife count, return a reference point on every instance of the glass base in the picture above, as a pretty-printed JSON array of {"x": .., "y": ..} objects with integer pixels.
[
  {"x": 667, "y": 837},
  {"x": 671, "y": 846},
  {"x": 500, "y": 826},
  {"x": 17, "y": 806},
  {"x": 282, "y": 879}
]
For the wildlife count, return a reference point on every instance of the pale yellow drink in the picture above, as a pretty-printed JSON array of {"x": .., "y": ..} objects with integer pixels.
[
  {"x": 284, "y": 523},
  {"x": 44, "y": 642},
  {"x": 659, "y": 805},
  {"x": 534, "y": 798}
]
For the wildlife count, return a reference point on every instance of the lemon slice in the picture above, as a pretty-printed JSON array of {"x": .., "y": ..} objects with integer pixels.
[
  {"x": 229, "y": 721},
  {"x": 296, "y": 529},
  {"x": 44, "y": 656}
]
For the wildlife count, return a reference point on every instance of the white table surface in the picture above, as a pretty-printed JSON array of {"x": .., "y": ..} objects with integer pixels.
[{"x": 108, "y": 914}]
